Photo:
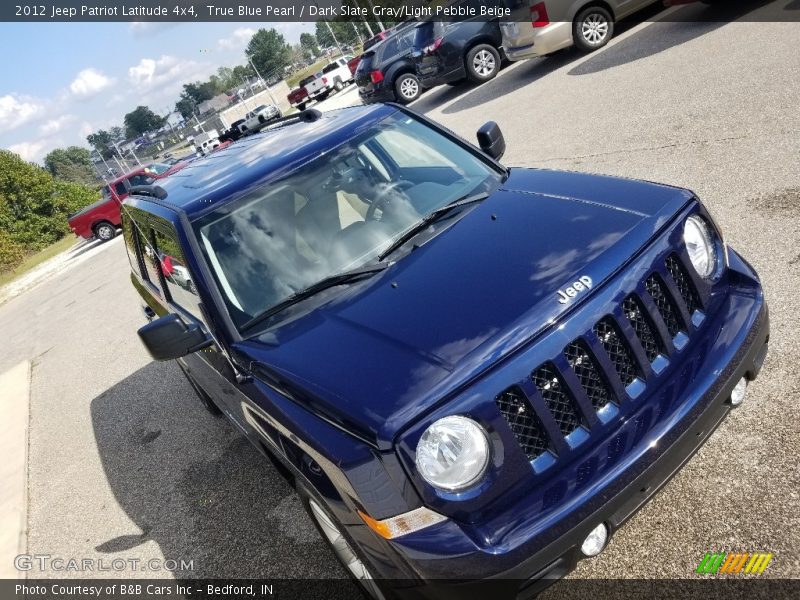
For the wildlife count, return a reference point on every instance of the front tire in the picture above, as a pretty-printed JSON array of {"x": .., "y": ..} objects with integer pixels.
[
  {"x": 301, "y": 106},
  {"x": 334, "y": 533},
  {"x": 407, "y": 88},
  {"x": 592, "y": 28},
  {"x": 339, "y": 86},
  {"x": 105, "y": 231},
  {"x": 482, "y": 63}
]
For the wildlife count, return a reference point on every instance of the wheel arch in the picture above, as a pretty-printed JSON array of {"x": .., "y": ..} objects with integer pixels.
[
  {"x": 478, "y": 41},
  {"x": 582, "y": 4}
]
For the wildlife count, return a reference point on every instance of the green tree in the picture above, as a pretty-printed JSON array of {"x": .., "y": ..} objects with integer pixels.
[
  {"x": 269, "y": 51},
  {"x": 71, "y": 164},
  {"x": 185, "y": 106},
  {"x": 102, "y": 142},
  {"x": 242, "y": 73},
  {"x": 142, "y": 120},
  {"x": 34, "y": 207},
  {"x": 308, "y": 42},
  {"x": 323, "y": 35}
]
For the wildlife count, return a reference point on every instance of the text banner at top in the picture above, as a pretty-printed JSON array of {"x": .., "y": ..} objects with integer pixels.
[{"x": 385, "y": 11}]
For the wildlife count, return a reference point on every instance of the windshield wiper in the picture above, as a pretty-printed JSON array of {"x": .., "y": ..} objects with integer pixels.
[
  {"x": 315, "y": 288},
  {"x": 429, "y": 219}
]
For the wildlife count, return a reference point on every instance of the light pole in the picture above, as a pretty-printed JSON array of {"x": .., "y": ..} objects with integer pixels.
[
  {"x": 366, "y": 23},
  {"x": 269, "y": 91},
  {"x": 372, "y": 9}
]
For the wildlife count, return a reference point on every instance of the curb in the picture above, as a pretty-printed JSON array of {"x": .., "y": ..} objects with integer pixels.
[{"x": 14, "y": 419}]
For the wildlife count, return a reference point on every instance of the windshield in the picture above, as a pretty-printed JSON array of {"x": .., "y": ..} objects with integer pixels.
[
  {"x": 336, "y": 213},
  {"x": 157, "y": 168}
]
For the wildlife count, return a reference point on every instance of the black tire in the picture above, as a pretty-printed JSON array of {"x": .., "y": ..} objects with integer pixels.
[
  {"x": 407, "y": 88},
  {"x": 482, "y": 63},
  {"x": 592, "y": 28},
  {"x": 204, "y": 398},
  {"x": 339, "y": 86},
  {"x": 369, "y": 587},
  {"x": 301, "y": 106},
  {"x": 104, "y": 231}
]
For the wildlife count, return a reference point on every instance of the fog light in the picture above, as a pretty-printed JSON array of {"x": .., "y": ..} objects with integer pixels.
[
  {"x": 737, "y": 395},
  {"x": 595, "y": 541}
]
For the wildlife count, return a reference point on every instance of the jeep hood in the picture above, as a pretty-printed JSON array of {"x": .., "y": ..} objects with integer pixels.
[{"x": 380, "y": 354}]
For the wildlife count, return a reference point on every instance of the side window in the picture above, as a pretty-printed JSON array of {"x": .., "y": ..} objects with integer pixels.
[
  {"x": 121, "y": 188},
  {"x": 173, "y": 265},
  {"x": 141, "y": 179},
  {"x": 390, "y": 48},
  {"x": 149, "y": 255},
  {"x": 132, "y": 244}
]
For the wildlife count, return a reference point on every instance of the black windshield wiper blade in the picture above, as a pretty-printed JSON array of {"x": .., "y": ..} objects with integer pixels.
[
  {"x": 315, "y": 288},
  {"x": 429, "y": 219}
]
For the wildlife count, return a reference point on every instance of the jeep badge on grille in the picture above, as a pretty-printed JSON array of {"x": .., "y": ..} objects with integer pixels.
[{"x": 583, "y": 283}]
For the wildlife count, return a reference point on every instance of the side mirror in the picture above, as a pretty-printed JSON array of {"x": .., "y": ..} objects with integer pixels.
[
  {"x": 491, "y": 140},
  {"x": 168, "y": 337}
]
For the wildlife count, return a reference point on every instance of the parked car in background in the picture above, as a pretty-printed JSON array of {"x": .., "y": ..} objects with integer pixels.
[
  {"x": 335, "y": 76},
  {"x": 298, "y": 98},
  {"x": 206, "y": 141},
  {"x": 602, "y": 331},
  {"x": 101, "y": 219},
  {"x": 314, "y": 86},
  {"x": 259, "y": 116},
  {"x": 352, "y": 64},
  {"x": 386, "y": 73},
  {"x": 451, "y": 52},
  {"x": 537, "y": 28}
]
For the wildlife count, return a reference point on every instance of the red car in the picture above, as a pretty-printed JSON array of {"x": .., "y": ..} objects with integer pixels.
[
  {"x": 352, "y": 64},
  {"x": 102, "y": 218},
  {"x": 298, "y": 97}
]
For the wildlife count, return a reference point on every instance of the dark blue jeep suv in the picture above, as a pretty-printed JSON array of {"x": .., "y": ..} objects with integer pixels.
[{"x": 470, "y": 372}]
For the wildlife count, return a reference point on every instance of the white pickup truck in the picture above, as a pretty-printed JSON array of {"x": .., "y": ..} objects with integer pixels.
[
  {"x": 333, "y": 77},
  {"x": 258, "y": 116},
  {"x": 206, "y": 141}
]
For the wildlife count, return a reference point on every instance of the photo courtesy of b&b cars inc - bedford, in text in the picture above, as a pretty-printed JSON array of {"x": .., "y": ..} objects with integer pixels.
[{"x": 400, "y": 299}]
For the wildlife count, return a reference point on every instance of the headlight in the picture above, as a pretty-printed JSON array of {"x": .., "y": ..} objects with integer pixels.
[
  {"x": 700, "y": 245},
  {"x": 453, "y": 453}
]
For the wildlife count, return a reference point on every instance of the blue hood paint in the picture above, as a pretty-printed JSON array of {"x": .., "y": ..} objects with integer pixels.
[{"x": 376, "y": 357}]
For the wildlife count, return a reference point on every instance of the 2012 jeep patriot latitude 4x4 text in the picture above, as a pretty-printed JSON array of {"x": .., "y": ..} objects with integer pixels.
[{"x": 469, "y": 371}]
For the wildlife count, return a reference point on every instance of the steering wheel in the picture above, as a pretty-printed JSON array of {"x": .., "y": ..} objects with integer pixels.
[{"x": 384, "y": 197}]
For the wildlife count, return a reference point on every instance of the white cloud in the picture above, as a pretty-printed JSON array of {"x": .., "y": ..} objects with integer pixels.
[
  {"x": 85, "y": 130},
  {"x": 238, "y": 39},
  {"x": 150, "y": 28},
  {"x": 89, "y": 82},
  {"x": 56, "y": 124},
  {"x": 150, "y": 73},
  {"x": 15, "y": 111},
  {"x": 159, "y": 81},
  {"x": 33, "y": 151}
]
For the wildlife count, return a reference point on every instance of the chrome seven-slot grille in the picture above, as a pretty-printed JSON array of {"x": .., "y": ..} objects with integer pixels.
[{"x": 595, "y": 382}]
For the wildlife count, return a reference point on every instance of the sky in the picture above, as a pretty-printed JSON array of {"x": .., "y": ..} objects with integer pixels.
[{"x": 62, "y": 81}]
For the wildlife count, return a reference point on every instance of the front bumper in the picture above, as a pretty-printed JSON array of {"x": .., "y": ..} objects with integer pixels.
[{"x": 443, "y": 554}]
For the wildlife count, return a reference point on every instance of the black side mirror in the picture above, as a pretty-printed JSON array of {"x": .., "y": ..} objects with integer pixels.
[
  {"x": 168, "y": 337},
  {"x": 491, "y": 140}
]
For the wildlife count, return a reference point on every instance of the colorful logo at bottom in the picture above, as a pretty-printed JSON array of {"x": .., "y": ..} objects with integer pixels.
[{"x": 744, "y": 562}]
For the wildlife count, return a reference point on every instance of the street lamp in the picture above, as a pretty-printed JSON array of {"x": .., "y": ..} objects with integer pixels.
[{"x": 269, "y": 91}]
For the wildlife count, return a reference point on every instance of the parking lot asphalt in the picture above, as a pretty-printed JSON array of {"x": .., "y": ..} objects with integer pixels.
[{"x": 123, "y": 462}]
